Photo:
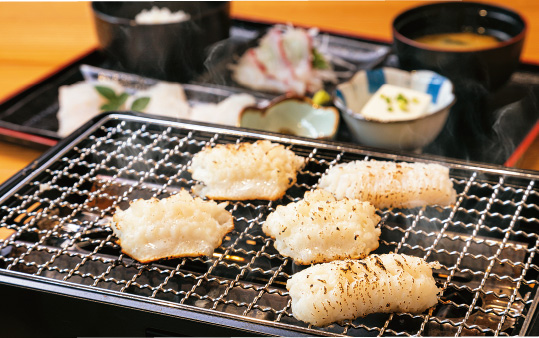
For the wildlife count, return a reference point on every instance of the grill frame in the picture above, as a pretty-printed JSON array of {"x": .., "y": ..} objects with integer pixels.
[{"x": 214, "y": 318}]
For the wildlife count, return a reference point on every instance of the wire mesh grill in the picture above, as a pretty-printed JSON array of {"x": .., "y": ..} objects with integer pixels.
[{"x": 57, "y": 222}]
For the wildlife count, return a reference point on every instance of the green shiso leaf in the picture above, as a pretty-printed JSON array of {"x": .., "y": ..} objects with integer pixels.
[
  {"x": 319, "y": 62},
  {"x": 106, "y": 92},
  {"x": 109, "y": 107},
  {"x": 114, "y": 102},
  {"x": 121, "y": 99},
  {"x": 140, "y": 103}
]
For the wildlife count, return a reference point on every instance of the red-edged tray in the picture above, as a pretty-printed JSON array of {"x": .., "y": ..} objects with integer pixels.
[{"x": 496, "y": 129}]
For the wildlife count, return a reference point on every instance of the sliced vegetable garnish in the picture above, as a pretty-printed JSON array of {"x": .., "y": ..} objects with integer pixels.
[{"x": 321, "y": 97}]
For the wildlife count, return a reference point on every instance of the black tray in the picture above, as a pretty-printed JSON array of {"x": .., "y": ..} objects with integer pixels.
[
  {"x": 482, "y": 127},
  {"x": 29, "y": 117}
]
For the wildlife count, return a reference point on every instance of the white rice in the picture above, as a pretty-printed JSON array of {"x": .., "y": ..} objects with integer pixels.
[{"x": 158, "y": 15}]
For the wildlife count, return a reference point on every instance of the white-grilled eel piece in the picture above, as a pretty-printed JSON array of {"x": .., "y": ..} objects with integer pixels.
[
  {"x": 177, "y": 226},
  {"x": 262, "y": 170},
  {"x": 332, "y": 292},
  {"x": 391, "y": 184},
  {"x": 320, "y": 228}
]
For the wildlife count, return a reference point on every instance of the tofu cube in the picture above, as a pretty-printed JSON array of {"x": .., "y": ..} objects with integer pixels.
[{"x": 393, "y": 103}]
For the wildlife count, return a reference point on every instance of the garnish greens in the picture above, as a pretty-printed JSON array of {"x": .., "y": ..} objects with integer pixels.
[
  {"x": 321, "y": 97},
  {"x": 402, "y": 101},
  {"x": 319, "y": 62},
  {"x": 115, "y": 101},
  {"x": 140, "y": 103}
]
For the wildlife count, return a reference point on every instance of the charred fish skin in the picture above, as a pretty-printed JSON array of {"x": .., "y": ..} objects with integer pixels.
[
  {"x": 331, "y": 292},
  {"x": 319, "y": 228},
  {"x": 388, "y": 184}
]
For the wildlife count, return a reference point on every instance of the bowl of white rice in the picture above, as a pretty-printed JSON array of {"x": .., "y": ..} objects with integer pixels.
[{"x": 163, "y": 40}]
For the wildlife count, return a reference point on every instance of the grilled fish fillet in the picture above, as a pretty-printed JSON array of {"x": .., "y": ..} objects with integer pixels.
[
  {"x": 321, "y": 229},
  {"x": 177, "y": 226},
  {"x": 391, "y": 184},
  {"x": 332, "y": 292},
  {"x": 260, "y": 170}
]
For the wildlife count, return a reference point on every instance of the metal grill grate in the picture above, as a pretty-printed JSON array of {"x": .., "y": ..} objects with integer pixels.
[{"x": 486, "y": 243}]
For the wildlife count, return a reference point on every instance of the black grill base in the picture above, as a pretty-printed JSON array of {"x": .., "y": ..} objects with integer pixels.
[{"x": 48, "y": 314}]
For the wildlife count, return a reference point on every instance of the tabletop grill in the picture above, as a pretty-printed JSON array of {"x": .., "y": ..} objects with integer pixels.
[{"x": 57, "y": 212}]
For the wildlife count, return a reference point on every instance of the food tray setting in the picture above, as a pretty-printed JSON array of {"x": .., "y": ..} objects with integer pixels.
[
  {"x": 58, "y": 214},
  {"x": 487, "y": 130},
  {"x": 33, "y": 112}
]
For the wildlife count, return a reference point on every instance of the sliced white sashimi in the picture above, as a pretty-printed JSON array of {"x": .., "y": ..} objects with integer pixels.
[{"x": 282, "y": 62}]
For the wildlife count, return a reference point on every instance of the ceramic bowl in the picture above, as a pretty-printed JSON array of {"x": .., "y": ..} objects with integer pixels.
[
  {"x": 413, "y": 134},
  {"x": 173, "y": 51},
  {"x": 292, "y": 115},
  {"x": 490, "y": 67}
]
